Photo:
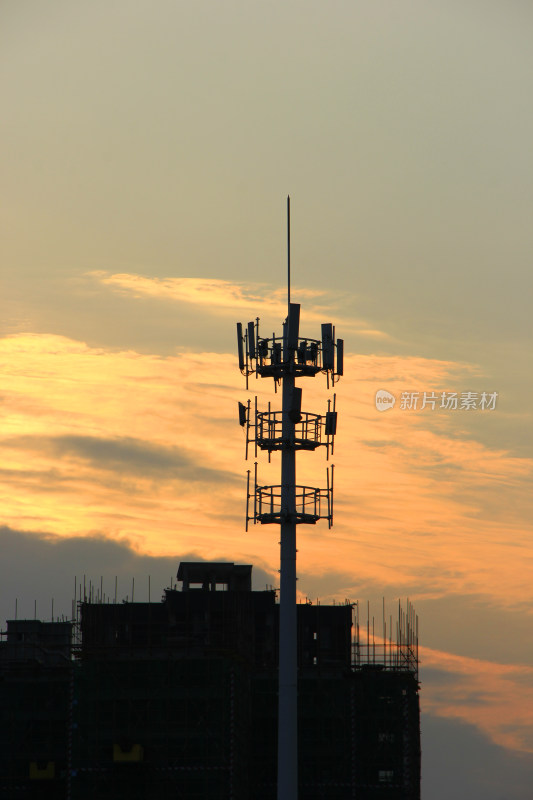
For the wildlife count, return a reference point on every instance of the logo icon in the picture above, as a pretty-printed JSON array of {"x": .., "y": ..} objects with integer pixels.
[{"x": 384, "y": 400}]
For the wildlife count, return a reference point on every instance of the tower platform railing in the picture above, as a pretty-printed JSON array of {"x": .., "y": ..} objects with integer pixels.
[{"x": 311, "y": 503}]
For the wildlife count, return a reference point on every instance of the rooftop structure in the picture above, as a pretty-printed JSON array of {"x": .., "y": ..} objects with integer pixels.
[{"x": 231, "y": 576}]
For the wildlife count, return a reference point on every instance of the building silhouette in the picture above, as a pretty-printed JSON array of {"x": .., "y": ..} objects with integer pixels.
[
  {"x": 36, "y": 672},
  {"x": 179, "y": 698}
]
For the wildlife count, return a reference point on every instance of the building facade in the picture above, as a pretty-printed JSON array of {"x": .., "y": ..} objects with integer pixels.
[{"x": 179, "y": 698}]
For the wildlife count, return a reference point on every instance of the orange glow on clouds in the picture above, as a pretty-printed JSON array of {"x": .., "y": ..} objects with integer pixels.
[
  {"x": 497, "y": 698},
  {"x": 148, "y": 449},
  {"x": 231, "y": 298}
]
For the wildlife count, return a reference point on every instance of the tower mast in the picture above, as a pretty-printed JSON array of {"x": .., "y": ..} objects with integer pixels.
[
  {"x": 289, "y": 504},
  {"x": 288, "y": 689}
]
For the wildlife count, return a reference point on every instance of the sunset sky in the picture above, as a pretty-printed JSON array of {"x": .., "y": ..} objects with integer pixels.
[{"x": 147, "y": 151}]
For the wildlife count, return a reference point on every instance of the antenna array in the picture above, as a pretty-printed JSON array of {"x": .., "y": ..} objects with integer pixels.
[
  {"x": 277, "y": 356},
  {"x": 284, "y": 357}
]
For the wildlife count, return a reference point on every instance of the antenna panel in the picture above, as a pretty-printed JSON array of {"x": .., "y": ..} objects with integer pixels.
[
  {"x": 331, "y": 423},
  {"x": 340, "y": 356},
  {"x": 240, "y": 346},
  {"x": 251, "y": 340},
  {"x": 327, "y": 346},
  {"x": 294, "y": 326},
  {"x": 295, "y": 412}
]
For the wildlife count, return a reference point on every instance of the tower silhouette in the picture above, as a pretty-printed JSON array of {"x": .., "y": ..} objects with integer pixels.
[{"x": 286, "y": 358}]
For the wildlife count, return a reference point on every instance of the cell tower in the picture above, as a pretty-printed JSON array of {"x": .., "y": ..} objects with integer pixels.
[{"x": 285, "y": 358}]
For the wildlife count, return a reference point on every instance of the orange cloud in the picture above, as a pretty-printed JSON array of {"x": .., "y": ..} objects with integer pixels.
[
  {"x": 223, "y": 296},
  {"x": 148, "y": 448},
  {"x": 496, "y": 698}
]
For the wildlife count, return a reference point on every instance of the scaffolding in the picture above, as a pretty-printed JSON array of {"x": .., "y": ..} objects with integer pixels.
[{"x": 379, "y": 648}]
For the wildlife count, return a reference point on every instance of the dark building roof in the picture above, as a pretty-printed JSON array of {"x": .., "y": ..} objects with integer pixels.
[{"x": 234, "y": 577}]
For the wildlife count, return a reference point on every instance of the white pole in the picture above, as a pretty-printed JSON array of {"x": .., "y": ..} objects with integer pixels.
[{"x": 288, "y": 697}]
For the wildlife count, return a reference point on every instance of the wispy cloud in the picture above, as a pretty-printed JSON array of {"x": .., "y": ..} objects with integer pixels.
[
  {"x": 222, "y": 296},
  {"x": 497, "y": 698},
  {"x": 126, "y": 442},
  {"x": 123, "y": 455},
  {"x": 200, "y": 291},
  {"x": 131, "y": 442}
]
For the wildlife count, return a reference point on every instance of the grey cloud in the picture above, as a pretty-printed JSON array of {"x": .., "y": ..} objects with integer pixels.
[
  {"x": 38, "y": 566},
  {"x": 380, "y": 443},
  {"x": 129, "y": 456},
  {"x": 460, "y": 762},
  {"x": 469, "y": 625},
  {"x": 472, "y": 626},
  {"x": 45, "y": 480},
  {"x": 439, "y": 677}
]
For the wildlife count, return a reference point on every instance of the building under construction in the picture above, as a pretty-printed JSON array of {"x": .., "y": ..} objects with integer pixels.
[{"x": 179, "y": 698}]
